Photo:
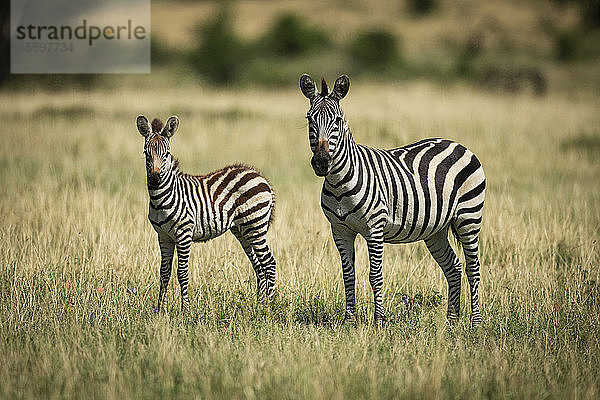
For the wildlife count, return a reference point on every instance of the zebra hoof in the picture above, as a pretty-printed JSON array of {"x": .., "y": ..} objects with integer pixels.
[
  {"x": 451, "y": 320},
  {"x": 475, "y": 321},
  {"x": 350, "y": 319},
  {"x": 379, "y": 322}
]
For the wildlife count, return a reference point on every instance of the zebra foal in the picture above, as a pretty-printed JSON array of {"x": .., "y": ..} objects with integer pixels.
[
  {"x": 411, "y": 193},
  {"x": 195, "y": 208}
]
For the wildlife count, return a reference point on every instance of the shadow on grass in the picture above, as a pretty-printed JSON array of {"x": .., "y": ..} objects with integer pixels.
[{"x": 223, "y": 309}]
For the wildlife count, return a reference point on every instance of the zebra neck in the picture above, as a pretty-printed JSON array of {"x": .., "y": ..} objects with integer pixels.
[{"x": 343, "y": 169}]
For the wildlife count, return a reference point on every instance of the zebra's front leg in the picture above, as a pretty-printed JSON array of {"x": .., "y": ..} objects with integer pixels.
[
  {"x": 167, "y": 248},
  {"x": 184, "y": 242},
  {"x": 375, "y": 247},
  {"x": 344, "y": 241}
]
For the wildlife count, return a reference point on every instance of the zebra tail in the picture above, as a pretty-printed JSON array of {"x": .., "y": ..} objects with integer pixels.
[
  {"x": 272, "y": 215},
  {"x": 455, "y": 233}
]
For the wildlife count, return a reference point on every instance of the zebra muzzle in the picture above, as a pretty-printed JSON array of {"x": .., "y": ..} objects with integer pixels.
[
  {"x": 153, "y": 179},
  {"x": 320, "y": 160}
]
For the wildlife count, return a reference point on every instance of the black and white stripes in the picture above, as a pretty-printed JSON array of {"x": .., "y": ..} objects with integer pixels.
[
  {"x": 416, "y": 192},
  {"x": 186, "y": 208}
]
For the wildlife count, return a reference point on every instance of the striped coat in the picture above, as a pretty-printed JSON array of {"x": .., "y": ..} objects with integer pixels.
[
  {"x": 412, "y": 193},
  {"x": 187, "y": 208}
]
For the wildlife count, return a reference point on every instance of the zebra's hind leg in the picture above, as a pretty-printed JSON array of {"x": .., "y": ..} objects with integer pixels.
[
  {"x": 442, "y": 252},
  {"x": 261, "y": 283},
  {"x": 266, "y": 261},
  {"x": 167, "y": 247},
  {"x": 270, "y": 268},
  {"x": 468, "y": 235}
]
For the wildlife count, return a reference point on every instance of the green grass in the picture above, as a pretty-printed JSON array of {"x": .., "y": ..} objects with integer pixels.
[{"x": 79, "y": 260}]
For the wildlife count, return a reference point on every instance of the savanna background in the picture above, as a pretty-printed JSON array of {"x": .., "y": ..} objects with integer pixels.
[{"x": 518, "y": 82}]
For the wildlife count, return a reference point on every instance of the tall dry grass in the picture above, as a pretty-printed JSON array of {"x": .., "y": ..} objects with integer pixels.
[{"x": 79, "y": 261}]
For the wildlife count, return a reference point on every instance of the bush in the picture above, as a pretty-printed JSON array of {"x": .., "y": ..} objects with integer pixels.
[
  {"x": 566, "y": 45},
  {"x": 221, "y": 55},
  {"x": 291, "y": 37},
  {"x": 590, "y": 10},
  {"x": 471, "y": 50},
  {"x": 375, "y": 49},
  {"x": 160, "y": 53},
  {"x": 422, "y": 7}
]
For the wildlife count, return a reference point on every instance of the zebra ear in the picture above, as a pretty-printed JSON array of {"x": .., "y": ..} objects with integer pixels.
[
  {"x": 341, "y": 87},
  {"x": 143, "y": 125},
  {"x": 308, "y": 86},
  {"x": 170, "y": 127}
]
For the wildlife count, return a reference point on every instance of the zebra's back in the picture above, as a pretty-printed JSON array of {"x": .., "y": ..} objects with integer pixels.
[
  {"x": 236, "y": 195},
  {"x": 211, "y": 204},
  {"x": 430, "y": 181}
]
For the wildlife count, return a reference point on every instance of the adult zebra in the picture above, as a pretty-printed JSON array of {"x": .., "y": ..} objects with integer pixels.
[
  {"x": 187, "y": 208},
  {"x": 402, "y": 195}
]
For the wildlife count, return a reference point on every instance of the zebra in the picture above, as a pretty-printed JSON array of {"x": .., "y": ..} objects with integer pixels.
[
  {"x": 195, "y": 208},
  {"x": 402, "y": 195}
]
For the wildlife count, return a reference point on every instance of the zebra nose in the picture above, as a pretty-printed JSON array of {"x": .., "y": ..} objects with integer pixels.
[
  {"x": 320, "y": 163},
  {"x": 321, "y": 158},
  {"x": 154, "y": 178}
]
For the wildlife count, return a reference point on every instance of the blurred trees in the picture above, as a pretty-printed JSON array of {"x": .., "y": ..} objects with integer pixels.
[
  {"x": 422, "y": 7},
  {"x": 292, "y": 44},
  {"x": 279, "y": 54},
  {"x": 375, "y": 49},
  {"x": 291, "y": 37},
  {"x": 220, "y": 54}
]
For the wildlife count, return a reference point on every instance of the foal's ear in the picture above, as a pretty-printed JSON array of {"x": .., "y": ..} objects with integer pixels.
[
  {"x": 341, "y": 87},
  {"x": 308, "y": 86},
  {"x": 170, "y": 127},
  {"x": 143, "y": 125}
]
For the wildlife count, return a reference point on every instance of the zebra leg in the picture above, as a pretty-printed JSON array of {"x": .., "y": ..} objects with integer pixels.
[
  {"x": 269, "y": 268},
  {"x": 375, "y": 247},
  {"x": 442, "y": 252},
  {"x": 167, "y": 247},
  {"x": 344, "y": 241},
  {"x": 472, "y": 268},
  {"x": 266, "y": 262},
  {"x": 184, "y": 242},
  {"x": 261, "y": 287},
  {"x": 470, "y": 244}
]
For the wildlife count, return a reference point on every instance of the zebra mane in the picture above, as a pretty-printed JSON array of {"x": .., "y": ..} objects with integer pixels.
[
  {"x": 175, "y": 168},
  {"x": 157, "y": 125},
  {"x": 324, "y": 88}
]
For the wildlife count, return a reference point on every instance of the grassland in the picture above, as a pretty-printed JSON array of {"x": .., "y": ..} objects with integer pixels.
[{"x": 79, "y": 261}]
